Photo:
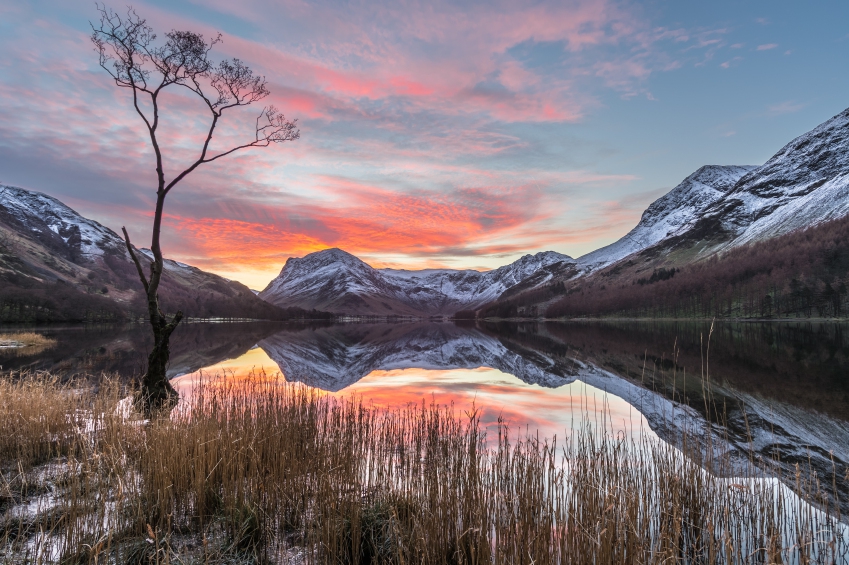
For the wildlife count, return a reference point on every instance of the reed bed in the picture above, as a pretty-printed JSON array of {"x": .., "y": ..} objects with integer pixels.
[
  {"x": 258, "y": 471},
  {"x": 25, "y": 342}
]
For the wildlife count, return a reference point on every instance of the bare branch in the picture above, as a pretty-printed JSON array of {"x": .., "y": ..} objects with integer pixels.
[
  {"x": 135, "y": 259},
  {"x": 274, "y": 129}
]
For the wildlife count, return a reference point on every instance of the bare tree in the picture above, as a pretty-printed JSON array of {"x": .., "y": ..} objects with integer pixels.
[{"x": 128, "y": 51}]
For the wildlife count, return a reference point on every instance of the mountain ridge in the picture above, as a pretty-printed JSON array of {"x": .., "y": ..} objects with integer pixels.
[
  {"x": 337, "y": 281},
  {"x": 671, "y": 213},
  {"x": 714, "y": 210}
]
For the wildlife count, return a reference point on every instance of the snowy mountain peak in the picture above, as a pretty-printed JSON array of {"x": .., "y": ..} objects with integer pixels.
[
  {"x": 37, "y": 211},
  {"x": 542, "y": 258},
  {"x": 805, "y": 183},
  {"x": 295, "y": 266},
  {"x": 671, "y": 213},
  {"x": 717, "y": 207},
  {"x": 337, "y": 281}
]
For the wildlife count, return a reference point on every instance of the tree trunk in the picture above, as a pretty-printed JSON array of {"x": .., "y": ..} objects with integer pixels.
[{"x": 156, "y": 392}]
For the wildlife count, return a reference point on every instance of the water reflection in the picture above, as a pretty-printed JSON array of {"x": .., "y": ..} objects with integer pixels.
[{"x": 773, "y": 388}]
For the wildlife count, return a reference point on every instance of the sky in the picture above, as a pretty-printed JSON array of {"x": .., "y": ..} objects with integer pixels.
[{"x": 433, "y": 134}]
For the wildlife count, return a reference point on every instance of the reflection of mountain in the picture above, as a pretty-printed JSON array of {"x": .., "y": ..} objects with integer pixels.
[
  {"x": 335, "y": 357},
  {"x": 769, "y": 384}
]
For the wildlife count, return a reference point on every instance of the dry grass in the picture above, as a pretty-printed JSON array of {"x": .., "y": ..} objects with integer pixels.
[
  {"x": 261, "y": 472},
  {"x": 26, "y": 342}
]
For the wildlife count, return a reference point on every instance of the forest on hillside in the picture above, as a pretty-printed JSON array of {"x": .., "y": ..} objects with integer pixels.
[{"x": 803, "y": 274}]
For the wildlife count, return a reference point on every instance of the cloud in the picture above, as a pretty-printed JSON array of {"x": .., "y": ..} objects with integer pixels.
[
  {"x": 431, "y": 132},
  {"x": 731, "y": 62},
  {"x": 767, "y": 46},
  {"x": 787, "y": 107}
]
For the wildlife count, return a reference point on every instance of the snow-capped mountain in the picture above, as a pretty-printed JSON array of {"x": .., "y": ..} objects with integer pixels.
[
  {"x": 336, "y": 357},
  {"x": 717, "y": 207},
  {"x": 670, "y": 214},
  {"x": 44, "y": 243},
  {"x": 336, "y": 281},
  {"x": 804, "y": 184},
  {"x": 47, "y": 219}
]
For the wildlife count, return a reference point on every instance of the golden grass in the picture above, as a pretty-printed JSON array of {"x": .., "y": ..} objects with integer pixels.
[
  {"x": 257, "y": 471},
  {"x": 26, "y": 342}
]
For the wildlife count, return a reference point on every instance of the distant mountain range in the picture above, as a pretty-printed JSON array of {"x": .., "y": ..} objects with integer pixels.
[
  {"x": 336, "y": 281},
  {"x": 713, "y": 211}
]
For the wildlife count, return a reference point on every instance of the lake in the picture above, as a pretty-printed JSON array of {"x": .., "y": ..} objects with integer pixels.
[{"x": 770, "y": 390}]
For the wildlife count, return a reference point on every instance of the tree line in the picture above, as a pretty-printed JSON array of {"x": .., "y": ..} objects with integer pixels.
[{"x": 801, "y": 274}]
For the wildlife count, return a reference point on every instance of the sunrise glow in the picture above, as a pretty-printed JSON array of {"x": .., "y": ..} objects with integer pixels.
[{"x": 433, "y": 135}]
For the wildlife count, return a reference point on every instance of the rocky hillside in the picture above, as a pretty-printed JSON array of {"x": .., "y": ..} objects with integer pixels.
[
  {"x": 717, "y": 208},
  {"x": 671, "y": 214}
]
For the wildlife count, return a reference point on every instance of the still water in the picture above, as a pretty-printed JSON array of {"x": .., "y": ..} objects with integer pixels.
[{"x": 775, "y": 389}]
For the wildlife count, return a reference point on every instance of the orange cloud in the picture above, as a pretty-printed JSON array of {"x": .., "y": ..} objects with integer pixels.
[{"x": 363, "y": 220}]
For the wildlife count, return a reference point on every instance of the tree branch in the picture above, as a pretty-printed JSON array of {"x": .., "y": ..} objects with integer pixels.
[{"x": 135, "y": 259}]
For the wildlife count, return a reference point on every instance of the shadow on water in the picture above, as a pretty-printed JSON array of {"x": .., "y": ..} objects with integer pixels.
[
  {"x": 775, "y": 392},
  {"x": 802, "y": 364}
]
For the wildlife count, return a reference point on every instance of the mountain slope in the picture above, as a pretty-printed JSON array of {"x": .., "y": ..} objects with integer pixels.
[
  {"x": 770, "y": 244},
  {"x": 717, "y": 208},
  {"x": 56, "y": 265},
  {"x": 670, "y": 214},
  {"x": 336, "y": 281},
  {"x": 804, "y": 184}
]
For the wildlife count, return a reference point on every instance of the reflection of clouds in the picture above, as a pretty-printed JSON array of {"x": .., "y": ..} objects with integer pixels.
[{"x": 496, "y": 395}]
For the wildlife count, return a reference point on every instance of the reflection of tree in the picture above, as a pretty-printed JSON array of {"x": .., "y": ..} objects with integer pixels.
[{"x": 117, "y": 350}]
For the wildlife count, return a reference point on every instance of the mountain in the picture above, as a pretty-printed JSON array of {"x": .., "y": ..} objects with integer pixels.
[
  {"x": 712, "y": 212},
  {"x": 767, "y": 241},
  {"x": 718, "y": 208},
  {"x": 670, "y": 214},
  {"x": 804, "y": 184},
  {"x": 801, "y": 274},
  {"x": 336, "y": 281},
  {"x": 56, "y": 265}
]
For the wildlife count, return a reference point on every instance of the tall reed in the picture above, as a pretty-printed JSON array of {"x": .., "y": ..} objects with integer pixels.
[{"x": 260, "y": 471}]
